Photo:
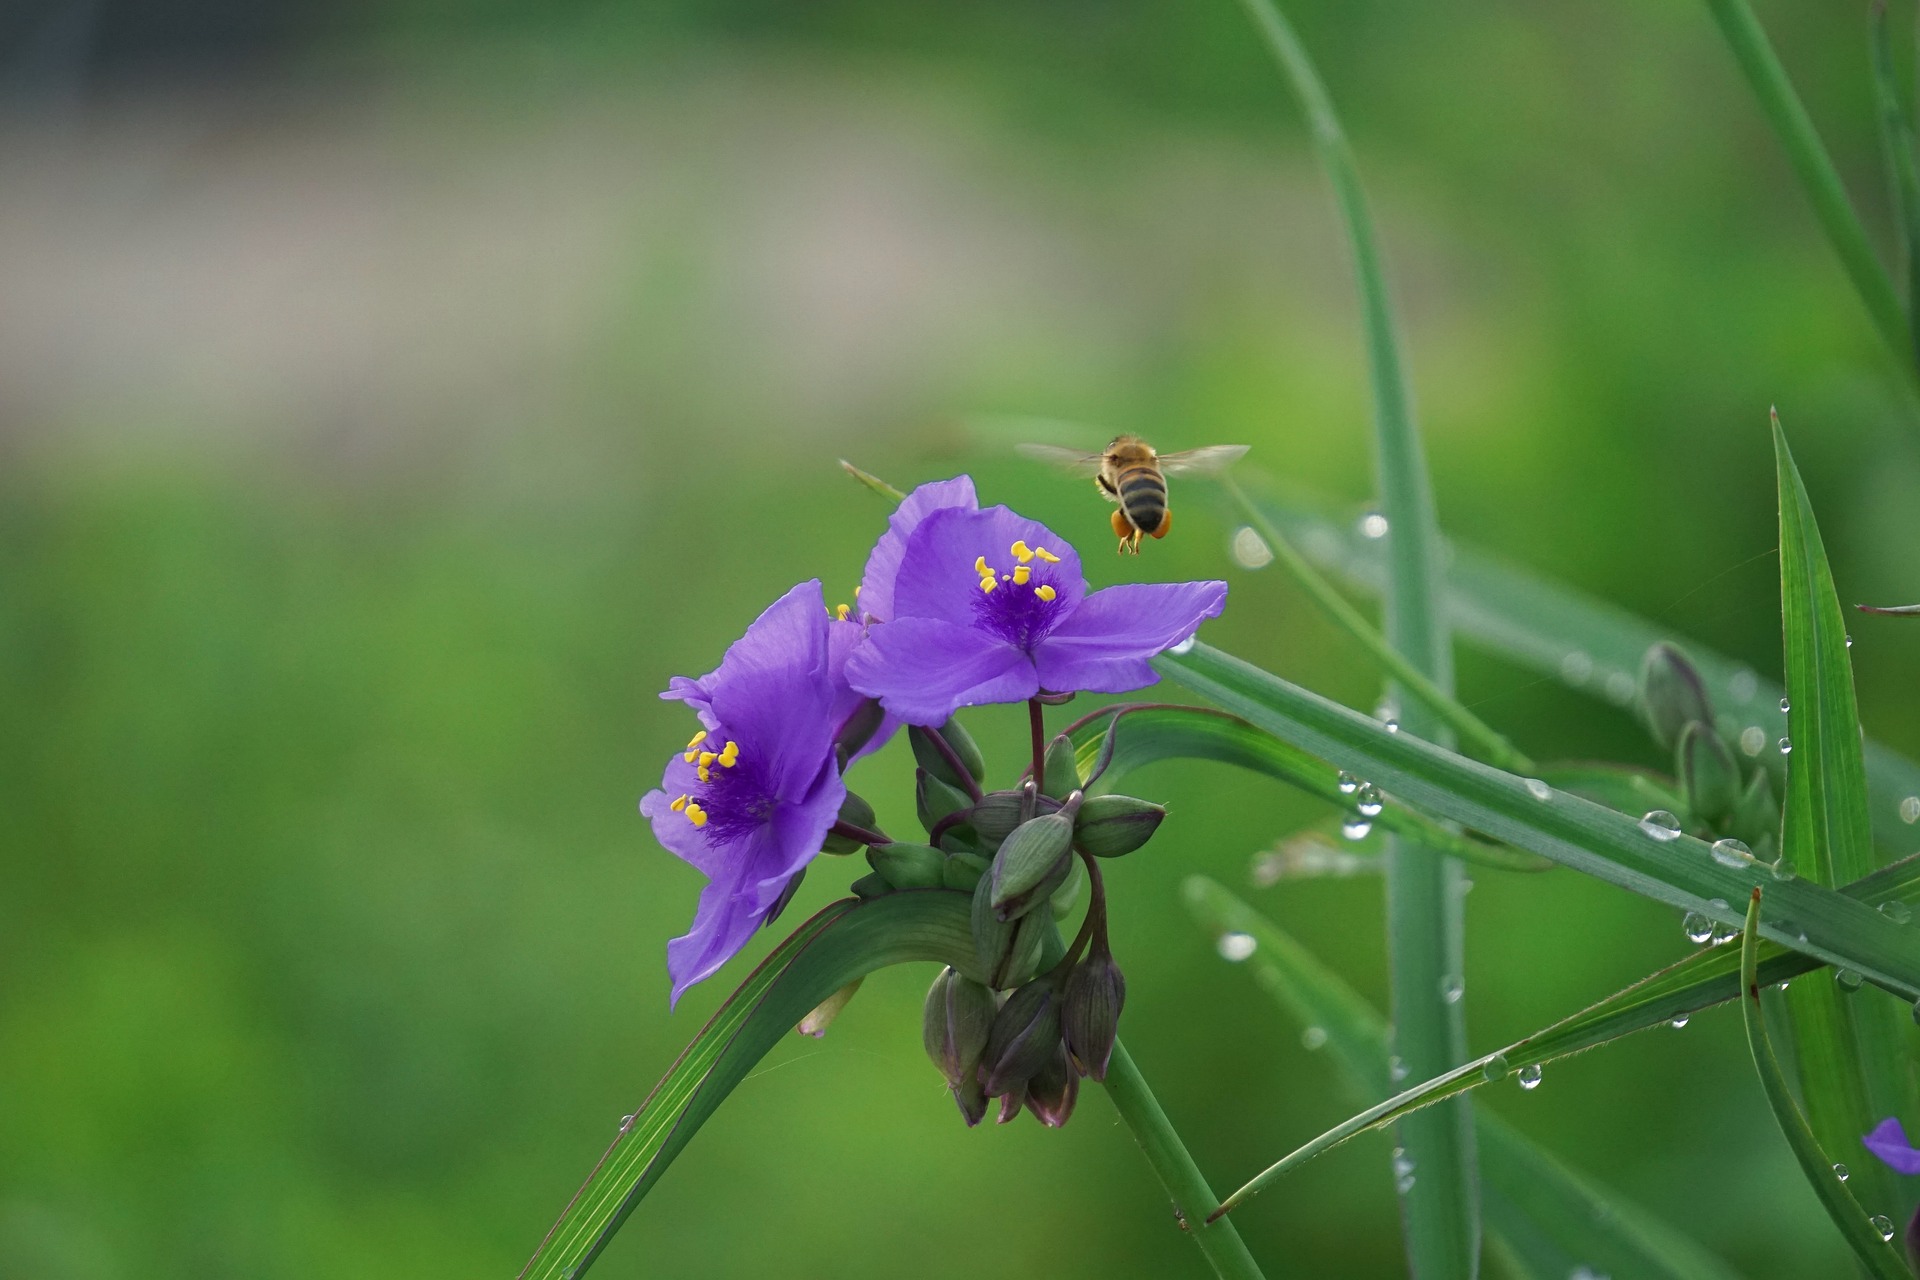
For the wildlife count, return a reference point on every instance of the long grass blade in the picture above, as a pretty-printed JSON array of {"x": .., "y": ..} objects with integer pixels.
[
  {"x": 1544, "y": 1213},
  {"x": 1425, "y": 922},
  {"x": 1818, "y": 177},
  {"x": 1896, "y": 139},
  {"x": 1875, "y": 1252}
]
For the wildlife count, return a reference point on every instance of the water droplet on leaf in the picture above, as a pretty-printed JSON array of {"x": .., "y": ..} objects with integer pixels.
[
  {"x": 1356, "y": 827},
  {"x": 1881, "y": 1222},
  {"x": 1313, "y": 1038},
  {"x": 1732, "y": 853},
  {"x": 1576, "y": 668},
  {"x": 1538, "y": 789},
  {"x": 1496, "y": 1068},
  {"x": 1347, "y": 783},
  {"x": 1786, "y": 746},
  {"x": 1529, "y": 1076},
  {"x": 1661, "y": 825},
  {"x": 1910, "y": 810},
  {"x": 1250, "y": 550},
  {"x": 1753, "y": 739},
  {"x": 1367, "y": 800},
  {"x": 1678, "y": 1022},
  {"x": 1896, "y": 911},
  {"x": 1840, "y": 1172},
  {"x": 1373, "y": 525},
  {"x": 1847, "y": 979},
  {"x": 1697, "y": 927},
  {"x": 1185, "y": 646},
  {"x": 1452, "y": 988}
]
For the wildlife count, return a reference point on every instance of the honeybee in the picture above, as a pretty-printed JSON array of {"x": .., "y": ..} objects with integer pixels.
[{"x": 1131, "y": 474}]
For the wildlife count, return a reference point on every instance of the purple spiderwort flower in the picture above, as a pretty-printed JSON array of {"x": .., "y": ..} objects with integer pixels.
[
  {"x": 750, "y": 799},
  {"x": 988, "y": 606},
  {"x": 1889, "y": 1142}
]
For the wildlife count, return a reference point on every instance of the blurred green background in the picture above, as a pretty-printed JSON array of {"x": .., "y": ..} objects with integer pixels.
[{"x": 393, "y": 397}]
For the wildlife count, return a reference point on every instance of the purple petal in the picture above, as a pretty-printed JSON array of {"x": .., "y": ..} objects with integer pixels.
[
  {"x": 1889, "y": 1141},
  {"x": 937, "y": 576},
  {"x": 1104, "y": 645},
  {"x": 876, "y": 585},
  {"x": 923, "y": 669},
  {"x": 842, "y": 639},
  {"x": 782, "y": 635},
  {"x": 694, "y": 694}
]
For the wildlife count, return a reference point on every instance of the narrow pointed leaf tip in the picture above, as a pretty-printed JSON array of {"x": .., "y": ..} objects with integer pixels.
[{"x": 872, "y": 481}]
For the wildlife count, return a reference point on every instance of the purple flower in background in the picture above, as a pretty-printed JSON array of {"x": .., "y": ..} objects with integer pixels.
[
  {"x": 1889, "y": 1142},
  {"x": 750, "y": 800},
  {"x": 988, "y": 606}
]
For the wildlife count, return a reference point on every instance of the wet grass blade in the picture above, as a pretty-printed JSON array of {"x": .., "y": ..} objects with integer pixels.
[
  {"x": 1425, "y": 923},
  {"x": 1577, "y": 833},
  {"x": 1876, "y": 1254},
  {"x": 1848, "y": 1047},
  {"x": 1896, "y": 139},
  {"x": 1550, "y": 1217},
  {"x": 847, "y": 940},
  {"x": 1814, "y": 168},
  {"x": 1590, "y": 645},
  {"x": 1114, "y": 741}
]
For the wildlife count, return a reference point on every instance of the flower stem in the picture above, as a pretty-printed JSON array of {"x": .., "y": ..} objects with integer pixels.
[
  {"x": 841, "y": 827},
  {"x": 1192, "y": 1198},
  {"x": 1037, "y": 718}
]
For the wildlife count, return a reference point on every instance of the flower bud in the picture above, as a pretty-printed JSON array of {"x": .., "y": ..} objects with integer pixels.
[
  {"x": 855, "y": 811},
  {"x": 786, "y": 896},
  {"x": 995, "y": 815},
  {"x": 908, "y": 866},
  {"x": 1090, "y": 1007},
  {"x": 1671, "y": 694},
  {"x": 1066, "y": 898},
  {"x": 971, "y": 1097},
  {"x": 1024, "y": 1037},
  {"x": 858, "y": 729},
  {"x": 1031, "y": 864},
  {"x": 1709, "y": 778},
  {"x": 1756, "y": 814},
  {"x": 815, "y": 1024},
  {"x": 1008, "y": 950},
  {"x": 1052, "y": 1093},
  {"x": 1062, "y": 768},
  {"x": 962, "y": 871},
  {"x": 959, "y": 1014},
  {"x": 934, "y": 799},
  {"x": 871, "y": 885},
  {"x": 1109, "y": 826},
  {"x": 927, "y": 754}
]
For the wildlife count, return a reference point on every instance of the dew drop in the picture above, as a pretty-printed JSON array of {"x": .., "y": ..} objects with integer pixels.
[
  {"x": 1678, "y": 1022},
  {"x": 1367, "y": 800},
  {"x": 1393, "y": 726},
  {"x": 1786, "y": 704},
  {"x": 1840, "y": 1172},
  {"x": 1782, "y": 986},
  {"x": 1881, "y": 1222},
  {"x": 1576, "y": 668},
  {"x": 1185, "y": 646},
  {"x": 1402, "y": 1170},
  {"x": 1698, "y": 928},
  {"x": 1529, "y": 1076},
  {"x": 1753, "y": 739},
  {"x": 1732, "y": 853},
  {"x": 1847, "y": 979},
  {"x": 1356, "y": 827},
  {"x": 1538, "y": 789},
  {"x": 1347, "y": 783},
  {"x": 1896, "y": 911},
  {"x": 1396, "y": 1069},
  {"x": 1722, "y": 932},
  {"x": 1496, "y": 1068},
  {"x": 1781, "y": 871},
  {"x": 1250, "y": 550},
  {"x": 1743, "y": 685},
  {"x": 1313, "y": 1038},
  {"x": 1910, "y": 810},
  {"x": 1620, "y": 688},
  {"x": 1403, "y": 1185},
  {"x": 1849, "y": 642},
  {"x": 1373, "y": 525},
  {"x": 1786, "y": 746},
  {"x": 1237, "y": 946},
  {"x": 1452, "y": 988},
  {"x": 1661, "y": 825}
]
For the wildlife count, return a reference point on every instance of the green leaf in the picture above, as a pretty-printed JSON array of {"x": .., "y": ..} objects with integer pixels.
[
  {"x": 846, "y": 941},
  {"x": 1550, "y": 1217},
  {"x": 1592, "y": 646},
  {"x": 1425, "y": 921},
  {"x": 1816, "y": 1162},
  {"x": 1896, "y": 140},
  {"x": 1114, "y": 741},
  {"x": 1848, "y": 1046},
  {"x": 1611, "y": 846},
  {"x": 1814, "y": 168}
]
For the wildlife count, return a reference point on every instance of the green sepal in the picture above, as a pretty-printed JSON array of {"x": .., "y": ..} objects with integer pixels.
[{"x": 908, "y": 866}]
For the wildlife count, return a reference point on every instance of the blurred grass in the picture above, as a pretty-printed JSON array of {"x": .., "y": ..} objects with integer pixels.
[{"x": 374, "y": 444}]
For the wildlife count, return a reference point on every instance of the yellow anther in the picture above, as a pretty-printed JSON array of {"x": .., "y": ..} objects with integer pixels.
[
  {"x": 1021, "y": 572},
  {"x": 1020, "y": 551},
  {"x": 988, "y": 583},
  {"x": 731, "y": 756},
  {"x": 856, "y": 591},
  {"x": 706, "y": 774},
  {"x": 696, "y": 739},
  {"x": 1046, "y": 555},
  {"x": 708, "y": 757},
  {"x": 1044, "y": 592},
  {"x": 980, "y": 567},
  {"x": 689, "y": 756},
  {"x": 696, "y": 815},
  {"x": 678, "y": 805}
]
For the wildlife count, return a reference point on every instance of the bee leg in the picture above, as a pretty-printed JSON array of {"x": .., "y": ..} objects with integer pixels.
[{"x": 1166, "y": 523}]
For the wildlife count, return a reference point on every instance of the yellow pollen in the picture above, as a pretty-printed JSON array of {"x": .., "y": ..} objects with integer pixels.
[
  {"x": 1044, "y": 592},
  {"x": 1021, "y": 572},
  {"x": 696, "y": 815},
  {"x": 842, "y": 612},
  {"x": 1046, "y": 555},
  {"x": 731, "y": 756},
  {"x": 980, "y": 567},
  {"x": 708, "y": 757},
  {"x": 987, "y": 583},
  {"x": 678, "y": 805},
  {"x": 856, "y": 591},
  {"x": 696, "y": 739},
  {"x": 1020, "y": 551},
  {"x": 706, "y": 774}
]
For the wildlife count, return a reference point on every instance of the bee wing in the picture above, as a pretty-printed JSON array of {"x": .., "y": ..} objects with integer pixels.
[
  {"x": 1068, "y": 459},
  {"x": 1217, "y": 457}
]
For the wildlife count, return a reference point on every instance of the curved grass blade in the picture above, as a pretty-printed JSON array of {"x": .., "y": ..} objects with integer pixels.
[
  {"x": 1592, "y": 646},
  {"x": 1896, "y": 139},
  {"x": 1875, "y": 1253},
  {"x": 847, "y": 940},
  {"x": 1814, "y": 168},
  {"x": 1611, "y": 846},
  {"x": 1848, "y": 1046},
  {"x": 873, "y": 482},
  {"x": 1425, "y": 921},
  {"x": 1114, "y": 741},
  {"x": 1544, "y": 1213}
]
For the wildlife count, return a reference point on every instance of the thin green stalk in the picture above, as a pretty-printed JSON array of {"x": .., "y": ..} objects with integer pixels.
[
  {"x": 1192, "y": 1198},
  {"x": 1814, "y": 167},
  {"x": 1425, "y": 924},
  {"x": 1484, "y": 740},
  {"x": 1896, "y": 139}
]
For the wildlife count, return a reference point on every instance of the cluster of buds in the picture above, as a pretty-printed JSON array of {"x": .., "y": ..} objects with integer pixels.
[
  {"x": 1031, "y": 1018},
  {"x": 1723, "y": 798}
]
